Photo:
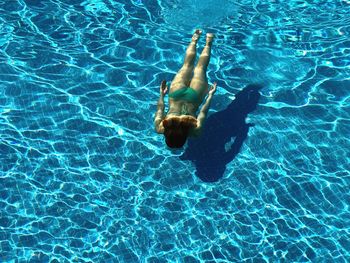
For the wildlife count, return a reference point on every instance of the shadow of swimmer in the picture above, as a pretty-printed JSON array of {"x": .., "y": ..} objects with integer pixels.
[{"x": 223, "y": 135}]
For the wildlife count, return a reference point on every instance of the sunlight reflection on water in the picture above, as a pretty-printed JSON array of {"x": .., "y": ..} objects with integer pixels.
[{"x": 196, "y": 12}]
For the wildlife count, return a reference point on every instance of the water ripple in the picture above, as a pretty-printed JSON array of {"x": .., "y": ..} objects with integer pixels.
[{"x": 84, "y": 176}]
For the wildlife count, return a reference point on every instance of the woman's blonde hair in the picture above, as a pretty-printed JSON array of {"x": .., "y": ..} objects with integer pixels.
[{"x": 176, "y": 130}]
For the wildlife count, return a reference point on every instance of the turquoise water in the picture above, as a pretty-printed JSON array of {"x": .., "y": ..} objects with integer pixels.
[{"x": 85, "y": 178}]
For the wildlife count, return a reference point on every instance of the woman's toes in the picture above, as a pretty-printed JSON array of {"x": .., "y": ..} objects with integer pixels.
[
  {"x": 210, "y": 36},
  {"x": 198, "y": 31},
  {"x": 196, "y": 34}
]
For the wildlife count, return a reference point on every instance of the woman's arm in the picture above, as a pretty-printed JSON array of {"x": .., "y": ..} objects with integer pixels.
[
  {"x": 204, "y": 110},
  {"x": 160, "y": 108},
  {"x": 159, "y": 114}
]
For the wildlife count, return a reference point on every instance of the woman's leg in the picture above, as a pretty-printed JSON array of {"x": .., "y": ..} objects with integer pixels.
[
  {"x": 184, "y": 75},
  {"x": 199, "y": 81}
]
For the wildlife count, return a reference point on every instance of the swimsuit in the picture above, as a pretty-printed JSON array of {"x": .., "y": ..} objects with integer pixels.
[{"x": 186, "y": 93}]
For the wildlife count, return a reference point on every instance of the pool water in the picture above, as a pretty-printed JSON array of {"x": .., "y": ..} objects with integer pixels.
[{"x": 85, "y": 178}]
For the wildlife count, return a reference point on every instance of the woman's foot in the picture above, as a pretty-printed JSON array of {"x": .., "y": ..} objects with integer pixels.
[
  {"x": 196, "y": 35},
  {"x": 210, "y": 38}
]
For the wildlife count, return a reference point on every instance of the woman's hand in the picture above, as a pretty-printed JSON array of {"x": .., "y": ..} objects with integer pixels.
[
  {"x": 163, "y": 88},
  {"x": 212, "y": 89}
]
